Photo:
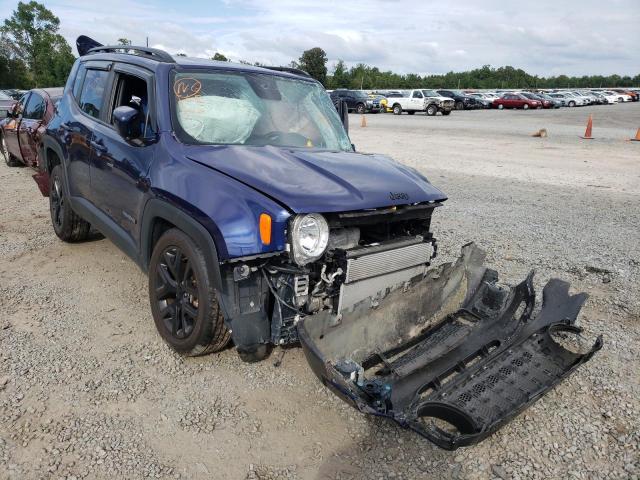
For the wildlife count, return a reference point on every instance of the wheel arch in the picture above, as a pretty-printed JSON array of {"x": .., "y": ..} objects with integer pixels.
[
  {"x": 51, "y": 155},
  {"x": 159, "y": 216}
]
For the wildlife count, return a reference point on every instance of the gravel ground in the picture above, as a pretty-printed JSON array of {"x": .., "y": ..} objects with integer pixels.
[{"x": 88, "y": 389}]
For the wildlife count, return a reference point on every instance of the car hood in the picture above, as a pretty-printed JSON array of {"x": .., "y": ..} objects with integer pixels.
[
  {"x": 442, "y": 98},
  {"x": 320, "y": 181}
]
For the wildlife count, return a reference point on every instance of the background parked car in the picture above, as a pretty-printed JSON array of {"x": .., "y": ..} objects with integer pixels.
[
  {"x": 21, "y": 132},
  {"x": 534, "y": 96},
  {"x": 555, "y": 102},
  {"x": 626, "y": 95},
  {"x": 573, "y": 100},
  {"x": 14, "y": 93},
  {"x": 462, "y": 101},
  {"x": 357, "y": 100},
  {"x": 6, "y": 102},
  {"x": 484, "y": 98},
  {"x": 516, "y": 100}
]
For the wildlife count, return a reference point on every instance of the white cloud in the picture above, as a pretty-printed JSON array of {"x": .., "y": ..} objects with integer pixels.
[{"x": 544, "y": 37}]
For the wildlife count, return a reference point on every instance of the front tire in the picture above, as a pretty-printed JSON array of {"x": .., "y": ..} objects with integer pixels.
[
  {"x": 184, "y": 304},
  {"x": 432, "y": 110},
  {"x": 525, "y": 106},
  {"x": 572, "y": 103},
  {"x": 459, "y": 105},
  {"x": 67, "y": 224},
  {"x": 500, "y": 107},
  {"x": 397, "y": 109},
  {"x": 360, "y": 108}
]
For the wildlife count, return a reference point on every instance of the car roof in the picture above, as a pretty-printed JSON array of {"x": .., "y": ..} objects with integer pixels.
[
  {"x": 191, "y": 62},
  {"x": 54, "y": 93}
]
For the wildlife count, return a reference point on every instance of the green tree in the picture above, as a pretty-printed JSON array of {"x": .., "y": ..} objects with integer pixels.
[
  {"x": 31, "y": 36},
  {"x": 340, "y": 77},
  {"x": 220, "y": 57},
  {"x": 13, "y": 72},
  {"x": 314, "y": 62},
  {"x": 124, "y": 41}
]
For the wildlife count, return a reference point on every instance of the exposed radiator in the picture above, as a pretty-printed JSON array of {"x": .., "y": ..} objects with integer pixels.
[
  {"x": 371, "y": 262},
  {"x": 382, "y": 268}
]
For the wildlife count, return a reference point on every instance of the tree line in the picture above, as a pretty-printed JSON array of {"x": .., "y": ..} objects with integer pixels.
[{"x": 34, "y": 54}]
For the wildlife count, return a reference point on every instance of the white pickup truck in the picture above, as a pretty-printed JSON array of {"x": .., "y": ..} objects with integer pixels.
[{"x": 420, "y": 100}]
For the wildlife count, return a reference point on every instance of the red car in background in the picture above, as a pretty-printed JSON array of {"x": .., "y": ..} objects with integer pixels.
[
  {"x": 515, "y": 100},
  {"x": 21, "y": 132}
]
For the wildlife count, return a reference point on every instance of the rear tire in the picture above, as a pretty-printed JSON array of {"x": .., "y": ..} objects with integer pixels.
[
  {"x": 432, "y": 110},
  {"x": 184, "y": 303},
  {"x": 9, "y": 159},
  {"x": 68, "y": 225}
]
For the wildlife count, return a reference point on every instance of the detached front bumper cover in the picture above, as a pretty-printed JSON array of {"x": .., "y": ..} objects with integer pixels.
[{"x": 452, "y": 356}]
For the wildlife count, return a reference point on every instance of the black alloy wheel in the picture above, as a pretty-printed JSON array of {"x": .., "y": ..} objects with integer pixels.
[
  {"x": 176, "y": 292},
  {"x": 184, "y": 302},
  {"x": 57, "y": 204}
]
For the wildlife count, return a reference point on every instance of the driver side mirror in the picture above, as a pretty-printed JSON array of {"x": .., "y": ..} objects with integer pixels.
[{"x": 127, "y": 122}]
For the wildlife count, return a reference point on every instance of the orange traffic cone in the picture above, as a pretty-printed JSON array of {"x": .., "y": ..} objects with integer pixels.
[
  {"x": 587, "y": 132},
  {"x": 637, "y": 139},
  {"x": 363, "y": 122}
]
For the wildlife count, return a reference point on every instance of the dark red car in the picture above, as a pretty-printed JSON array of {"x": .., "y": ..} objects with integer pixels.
[
  {"x": 21, "y": 132},
  {"x": 515, "y": 100}
]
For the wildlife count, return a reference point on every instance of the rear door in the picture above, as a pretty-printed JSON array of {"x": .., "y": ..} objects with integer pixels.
[
  {"x": 10, "y": 130},
  {"x": 89, "y": 91},
  {"x": 31, "y": 119}
]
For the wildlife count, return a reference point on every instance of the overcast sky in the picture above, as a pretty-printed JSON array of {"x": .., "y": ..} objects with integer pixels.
[{"x": 542, "y": 37}]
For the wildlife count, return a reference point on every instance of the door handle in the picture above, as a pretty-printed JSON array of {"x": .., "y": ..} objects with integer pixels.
[{"x": 99, "y": 146}]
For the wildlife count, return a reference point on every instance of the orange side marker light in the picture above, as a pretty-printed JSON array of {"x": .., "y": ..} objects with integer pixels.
[{"x": 265, "y": 229}]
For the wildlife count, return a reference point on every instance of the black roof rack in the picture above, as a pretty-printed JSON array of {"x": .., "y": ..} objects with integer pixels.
[
  {"x": 146, "y": 52},
  {"x": 295, "y": 71}
]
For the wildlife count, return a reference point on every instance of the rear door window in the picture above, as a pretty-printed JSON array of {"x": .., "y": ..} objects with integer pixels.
[
  {"x": 35, "y": 108},
  {"x": 93, "y": 88}
]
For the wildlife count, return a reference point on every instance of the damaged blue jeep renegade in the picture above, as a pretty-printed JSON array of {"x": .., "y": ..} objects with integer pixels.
[{"x": 238, "y": 191}]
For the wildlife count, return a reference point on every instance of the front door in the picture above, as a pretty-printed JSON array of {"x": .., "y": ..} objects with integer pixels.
[
  {"x": 119, "y": 166},
  {"x": 417, "y": 100},
  {"x": 31, "y": 120},
  {"x": 10, "y": 129}
]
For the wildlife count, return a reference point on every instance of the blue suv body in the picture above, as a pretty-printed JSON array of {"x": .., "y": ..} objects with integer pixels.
[{"x": 237, "y": 189}]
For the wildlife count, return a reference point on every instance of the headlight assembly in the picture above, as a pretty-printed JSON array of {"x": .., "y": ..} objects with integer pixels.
[{"x": 309, "y": 237}]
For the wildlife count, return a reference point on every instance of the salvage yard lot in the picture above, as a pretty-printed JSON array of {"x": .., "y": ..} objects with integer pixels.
[{"x": 88, "y": 389}]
